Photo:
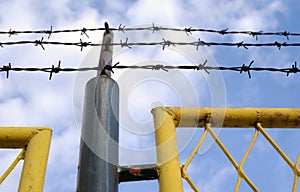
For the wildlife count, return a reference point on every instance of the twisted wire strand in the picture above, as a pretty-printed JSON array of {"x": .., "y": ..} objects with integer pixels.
[
  {"x": 153, "y": 28},
  {"x": 202, "y": 66},
  {"x": 164, "y": 43}
]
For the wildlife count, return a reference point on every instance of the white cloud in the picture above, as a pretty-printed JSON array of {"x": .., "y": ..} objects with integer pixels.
[
  {"x": 145, "y": 12},
  {"x": 17, "y": 14},
  {"x": 219, "y": 181},
  {"x": 62, "y": 161},
  {"x": 234, "y": 14}
]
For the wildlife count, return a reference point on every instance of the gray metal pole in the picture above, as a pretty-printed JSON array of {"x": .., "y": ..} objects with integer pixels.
[{"x": 98, "y": 159}]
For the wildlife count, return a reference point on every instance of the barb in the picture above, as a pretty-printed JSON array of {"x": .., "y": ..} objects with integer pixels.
[
  {"x": 39, "y": 42},
  {"x": 247, "y": 68},
  {"x": 6, "y": 68},
  {"x": 188, "y": 30},
  {"x": 202, "y": 66},
  {"x": 223, "y": 32},
  {"x": 164, "y": 43},
  {"x": 83, "y": 32},
  {"x": 167, "y": 43},
  {"x": 121, "y": 28},
  {"x": 11, "y": 32},
  {"x": 55, "y": 69},
  {"x": 83, "y": 44},
  {"x": 49, "y": 32},
  {"x": 125, "y": 44},
  {"x": 201, "y": 43},
  {"x": 294, "y": 69},
  {"x": 155, "y": 28}
]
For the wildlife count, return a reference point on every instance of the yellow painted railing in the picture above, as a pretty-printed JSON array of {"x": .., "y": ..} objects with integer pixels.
[
  {"x": 166, "y": 119},
  {"x": 35, "y": 144}
]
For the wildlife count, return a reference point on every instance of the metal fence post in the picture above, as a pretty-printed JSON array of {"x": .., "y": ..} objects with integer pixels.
[{"x": 97, "y": 170}]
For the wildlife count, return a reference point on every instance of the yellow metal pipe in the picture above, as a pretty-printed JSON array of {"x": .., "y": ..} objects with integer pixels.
[
  {"x": 167, "y": 118},
  {"x": 236, "y": 117},
  {"x": 35, "y": 161},
  {"x": 167, "y": 151},
  {"x": 15, "y": 137}
]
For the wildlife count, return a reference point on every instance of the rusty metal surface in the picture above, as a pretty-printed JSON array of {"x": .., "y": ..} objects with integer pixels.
[{"x": 137, "y": 173}]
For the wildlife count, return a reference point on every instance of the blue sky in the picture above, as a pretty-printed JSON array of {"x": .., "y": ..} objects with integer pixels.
[{"x": 30, "y": 99}]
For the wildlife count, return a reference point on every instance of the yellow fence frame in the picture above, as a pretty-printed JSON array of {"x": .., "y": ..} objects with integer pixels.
[
  {"x": 36, "y": 144},
  {"x": 166, "y": 119}
]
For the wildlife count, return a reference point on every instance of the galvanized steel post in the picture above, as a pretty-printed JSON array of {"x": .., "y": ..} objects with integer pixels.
[
  {"x": 169, "y": 172},
  {"x": 97, "y": 170}
]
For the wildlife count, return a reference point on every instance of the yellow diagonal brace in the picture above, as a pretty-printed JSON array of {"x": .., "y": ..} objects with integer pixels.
[
  {"x": 293, "y": 166},
  {"x": 244, "y": 160},
  {"x": 275, "y": 146},
  {"x": 231, "y": 159},
  {"x": 296, "y": 174},
  {"x": 12, "y": 166},
  {"x": 187, "y": 163}
]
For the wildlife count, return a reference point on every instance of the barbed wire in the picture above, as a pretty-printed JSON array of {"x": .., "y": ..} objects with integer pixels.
[
  {"x": 153, "y": 28},
  {"x": 164, "y": 43},
  {"x": 200, "y": 67}
]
